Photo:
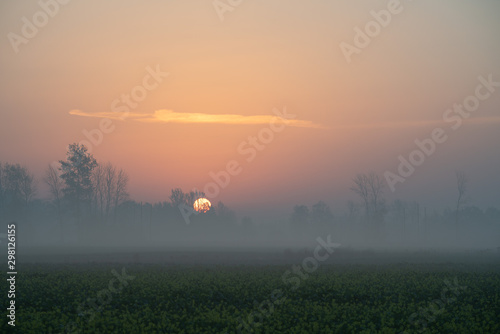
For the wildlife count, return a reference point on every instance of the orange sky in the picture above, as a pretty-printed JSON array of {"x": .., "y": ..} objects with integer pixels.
[{"x": 349, "y": 117}]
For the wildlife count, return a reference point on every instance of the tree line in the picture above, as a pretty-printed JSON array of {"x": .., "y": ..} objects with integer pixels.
[{"x": 89, "y": 194}]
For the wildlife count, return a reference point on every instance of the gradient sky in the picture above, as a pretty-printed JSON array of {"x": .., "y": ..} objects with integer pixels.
[{"x": 350, "y": 117}]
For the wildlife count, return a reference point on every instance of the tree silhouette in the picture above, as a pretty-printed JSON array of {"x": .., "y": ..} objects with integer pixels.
[
  {"x": 321, "y": 213},
  {"x": 109, "y": 189},
  {"x": 120, "y": 194},
  {"x": 56, "y": 185},
  {"x": 76, "y": 173},
  {"x": 300, "y": 215},
  {"x": 17, "y": 185},
  {"x": 177, "y": 197},
  {"x": 370, "y": 188},
  {"x": 97, "y": 179}
]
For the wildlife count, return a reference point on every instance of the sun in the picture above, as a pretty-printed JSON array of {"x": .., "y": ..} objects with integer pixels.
[{"x": 202, "y": 205}]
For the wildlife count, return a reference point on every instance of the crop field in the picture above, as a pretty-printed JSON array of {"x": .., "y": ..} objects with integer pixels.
[{"x": 334, "y": 298}]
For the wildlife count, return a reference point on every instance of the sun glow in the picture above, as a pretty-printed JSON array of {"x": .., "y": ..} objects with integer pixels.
[{"x": 202, "y": 205}]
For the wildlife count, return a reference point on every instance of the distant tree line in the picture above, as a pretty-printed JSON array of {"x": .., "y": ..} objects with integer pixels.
[{"x": 91, "y": 199}]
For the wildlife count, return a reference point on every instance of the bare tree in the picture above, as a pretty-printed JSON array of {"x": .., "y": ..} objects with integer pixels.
[
  {"x": 18, "y": 184},
  {"x": 120, "y": 190},
  {"x": 370, "y": 188},
  {"x": 462, "y": 188},
  {"x": 98, "y": 189},
  {"x": 110, "y": 189},
  {"x": 28, "y": 186},
  {"x": 110, "y": 185},
  {"x": 376, "y": 187},
  {"x": 180, "y": 198},
  {"x": 177, "y": 197},
  {"x": 192, "y": 196},
  {"x": 56, "y": 185},
  {"x": 361, "y": 188}
]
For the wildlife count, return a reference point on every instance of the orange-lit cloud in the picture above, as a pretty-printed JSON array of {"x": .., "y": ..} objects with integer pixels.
[{"x": 169, "y": 116}]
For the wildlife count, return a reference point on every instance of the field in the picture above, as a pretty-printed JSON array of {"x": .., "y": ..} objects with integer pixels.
[{"x": 343, "y": 297}]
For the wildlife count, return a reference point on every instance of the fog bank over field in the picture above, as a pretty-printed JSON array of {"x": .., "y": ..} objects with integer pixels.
[
  {"x": 91, "y": 210},
  {"x": 165, "y": 230}
]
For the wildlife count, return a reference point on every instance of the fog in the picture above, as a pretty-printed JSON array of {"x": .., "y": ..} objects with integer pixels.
[
  {"x": 141, "y": 232},
  {"x": 307, "y": 124}
]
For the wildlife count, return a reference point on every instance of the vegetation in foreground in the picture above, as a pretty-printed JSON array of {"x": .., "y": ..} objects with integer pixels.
[{"x": 134, "y": 298}]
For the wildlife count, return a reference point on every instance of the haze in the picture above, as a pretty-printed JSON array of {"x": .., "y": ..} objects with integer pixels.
[{"x": 210, "y": 88}]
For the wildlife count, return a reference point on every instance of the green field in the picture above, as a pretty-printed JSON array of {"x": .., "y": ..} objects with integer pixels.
[{"x": 84, "y": 298}]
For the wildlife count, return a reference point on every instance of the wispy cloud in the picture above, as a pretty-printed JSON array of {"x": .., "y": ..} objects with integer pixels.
[
  {"x": 110, "y": 115},
  {"x": 169, "y": 116}
]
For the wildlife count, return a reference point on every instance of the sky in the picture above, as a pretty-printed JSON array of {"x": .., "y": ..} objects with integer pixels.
[{"x": 175, "y": 92}]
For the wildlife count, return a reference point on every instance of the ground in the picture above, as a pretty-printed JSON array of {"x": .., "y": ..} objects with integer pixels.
[{"x": 258, "y": 292}]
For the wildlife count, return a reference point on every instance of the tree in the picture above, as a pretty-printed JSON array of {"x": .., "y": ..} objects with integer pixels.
[
  {"x": 76, "y": 173},
  {"x": 56, "y": 185},
  {"x": 18, "y": 185},
  {"x": 120, "y": 190},
  {"x": 361, "y": 188},
  {"x": 192, "y": 196},
  {"x": 462, "y": 188},
  {"x": 321, "y": 213},
  {"x": 28, "y": 186},
  {"x": 98, "y": 189},
  {"x": 110, "y": 183},
  {"x": 109, "y": 189},
  {"x": 300, "y": 215},
  {"x": 370, "y": 188},
  {"x": 177, "y": 197}
]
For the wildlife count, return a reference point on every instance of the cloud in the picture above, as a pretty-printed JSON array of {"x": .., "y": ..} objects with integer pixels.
[
  {"x": 110, "y": 115},
  {"x": 169, "y": 116}
]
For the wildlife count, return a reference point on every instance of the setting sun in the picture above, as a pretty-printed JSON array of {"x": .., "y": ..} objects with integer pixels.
[{"x": 202, "y": 205}]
